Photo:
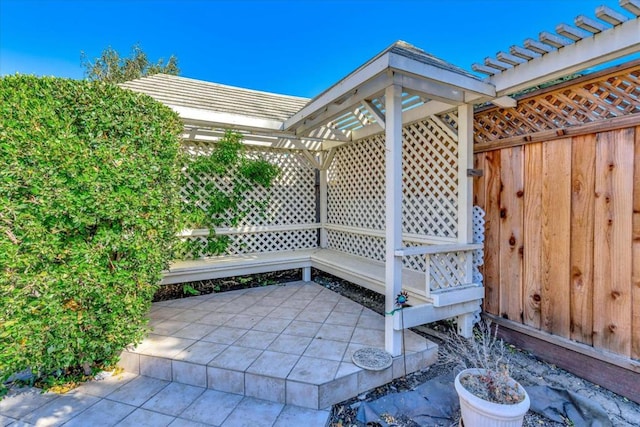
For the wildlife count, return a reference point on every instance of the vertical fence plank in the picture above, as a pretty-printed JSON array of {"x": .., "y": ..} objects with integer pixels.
[
  {"x": 613, "y": 241},
  {"x": 583, "y": 161},
  {"x": 635, "y": 280},
  {"x": 531, "y": 234},
  {"x": 511, "y": 218},
  {"x": 556, "y": 212},
  {"x": 492, "y": 232}
]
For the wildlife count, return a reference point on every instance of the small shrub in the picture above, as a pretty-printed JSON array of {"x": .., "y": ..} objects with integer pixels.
[
  {"x": 484, "y": 351},
  {"x": 89, "y": 208}
]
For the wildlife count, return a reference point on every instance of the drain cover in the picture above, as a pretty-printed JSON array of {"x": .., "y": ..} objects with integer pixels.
[{"x": 372, "y": 359}]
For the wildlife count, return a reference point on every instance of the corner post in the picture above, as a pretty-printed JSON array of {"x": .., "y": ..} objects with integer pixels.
[
  {"x": 324, "y": 240},
  {"x": 393, "y": 213}
]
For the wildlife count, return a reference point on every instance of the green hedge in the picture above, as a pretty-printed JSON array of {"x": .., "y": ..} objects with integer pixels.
[{"x": 89, "y": 208}]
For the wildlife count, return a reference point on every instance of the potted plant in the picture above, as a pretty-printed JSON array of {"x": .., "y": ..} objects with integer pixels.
[{"x": 488, "y": 395}]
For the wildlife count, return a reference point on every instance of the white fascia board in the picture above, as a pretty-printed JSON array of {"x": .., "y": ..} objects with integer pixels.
[
  {"x": 217, "y": 118},
  {"x": 431, "y": 89},
  {"x": 608, "y": 45},
  {"x": 440, "y": 75},
  {"x": 345, "y": 86}
]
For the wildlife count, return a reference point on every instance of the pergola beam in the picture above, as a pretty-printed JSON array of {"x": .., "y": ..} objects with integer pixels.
[
  {"x": 604, "y": 46},
  {"x": 375, "y": 112}
]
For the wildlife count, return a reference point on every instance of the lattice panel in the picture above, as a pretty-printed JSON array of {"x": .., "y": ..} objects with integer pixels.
[
  {"x": 430, "y": 175},
  {"x": 448, "y": 270},
  {"x": 356, "y": 192},
  {"x": 365, "y": 246},
  {"x": 289, "y": 201},
  {"x": 263, "y": 242},
  {"x": 612, "y": 95}
]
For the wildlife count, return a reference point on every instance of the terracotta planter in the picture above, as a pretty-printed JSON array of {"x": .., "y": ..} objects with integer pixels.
[{"x": 477, "y": 412}]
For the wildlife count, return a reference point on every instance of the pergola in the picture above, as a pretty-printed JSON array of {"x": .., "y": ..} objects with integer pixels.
[{"x": 416, "y": 112}]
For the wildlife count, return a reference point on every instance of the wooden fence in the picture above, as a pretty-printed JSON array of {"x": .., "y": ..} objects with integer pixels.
[{"x": 561, "y": 189}]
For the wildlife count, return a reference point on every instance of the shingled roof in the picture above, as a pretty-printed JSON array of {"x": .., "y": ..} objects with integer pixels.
[{"x": 177, "y": 91}]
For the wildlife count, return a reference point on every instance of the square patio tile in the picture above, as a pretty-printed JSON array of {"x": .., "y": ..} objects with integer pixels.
[
  {"x": 258, "y": 310},
  {"x": 212, "y": 407},
  {"x": 290, "y": 344},
  {"x": 173, "y": 399},
  {"x": 105, "y": 413},
  {"x": 303, "y": 329},
  {"x": 5, "y": 421},
  {"x": 60, "y": 410},
  {"x": 201, "y": 352},
  {"x": 297, "y": 416},
  {"x": 105, "y": 383},
  {"x": 144, "y": 418},
  {"x": 243, "y": 321},
  {"x": 225, "y": 335},
  {"x": 236, "y": 358},
  {"x": 20, "y": 402},
  {"x": 263, "y": 387},
  {"x": 314, "y": 371},
  {"x": 272, "y": 324},
  {"x": 181, "y": 422},
  {"x": 216, "y": 318},
  {"x": 191, "y": 315},
  {"x": 256, "y": 339},
  {"x": 138, "y": 390},
  {"x": 273, "y": 364},
  {"x": 286, "y": 312},
  {"x": 189, "y": 373},
  {"x": 341, "y": 318},
  {"x": 374, "y": 321},
  {"x": 315, "y": 315},
  {"x": 335, "y": 332},
  {"x": 168, "y": 327},
  {"x": 255, "y": 413},
  {"x": 195, "y": 331},
  {"x": 271, "y": 301},
  {"x": 163, "y": 346},
  {"x": 368, "y": 337},
  {"x": 155, "y": 367},
  {"x": 326, "y": 349}
]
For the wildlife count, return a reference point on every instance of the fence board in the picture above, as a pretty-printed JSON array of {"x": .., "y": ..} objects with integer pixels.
[
  {"x": 556, "y": 212},
  {"x": 582, "y": 210},
  {"x": 492, "y": 232},
  {"x": 612, "y": 237},
  {"x": 635, "y": 280},
  {"x": 511, "y": 218},
  {"x": 532, "y": 262}
]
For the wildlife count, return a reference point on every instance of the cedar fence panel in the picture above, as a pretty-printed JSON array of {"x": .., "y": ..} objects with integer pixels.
[{"x": 561, "y": 191}]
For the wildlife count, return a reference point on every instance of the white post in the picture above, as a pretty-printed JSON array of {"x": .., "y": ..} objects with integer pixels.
[
  {"x": 323, "y": 208},
  {"x": 465, "y": 200},
  {"x": 465, "y": 183},
  {"x": 393, "y": 212}
]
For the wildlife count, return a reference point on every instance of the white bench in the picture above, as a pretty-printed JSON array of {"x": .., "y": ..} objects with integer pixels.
[{"x": 426, "y": 306}]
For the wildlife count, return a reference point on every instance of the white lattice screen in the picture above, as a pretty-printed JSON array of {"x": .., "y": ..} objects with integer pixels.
[
  {"x": 290, "y": 201},
  {"x": 356, "y": 197}
]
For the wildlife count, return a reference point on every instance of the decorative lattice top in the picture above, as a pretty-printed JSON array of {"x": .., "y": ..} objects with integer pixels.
[{"x": 584, "y": 100}]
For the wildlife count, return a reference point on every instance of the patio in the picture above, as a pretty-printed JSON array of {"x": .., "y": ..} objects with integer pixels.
[{"x": 290, "y": 344}]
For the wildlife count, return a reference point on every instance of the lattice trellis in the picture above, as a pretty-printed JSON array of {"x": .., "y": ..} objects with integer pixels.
[
  {"x": 371, "y": 247},
  {"x": 263, "y": 242},
  {"x": 289, "y": 201},
  {"x": 588, "y": 100},
  {"x": 448, "y": 270},
  {"x": 356, "y": 192},
  {"x": 430, "y": 180}
]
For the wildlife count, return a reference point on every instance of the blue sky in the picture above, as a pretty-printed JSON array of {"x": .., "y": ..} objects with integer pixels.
[{"x": 288, "y": 46}]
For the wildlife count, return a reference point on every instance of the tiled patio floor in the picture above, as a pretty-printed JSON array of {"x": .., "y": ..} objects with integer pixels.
[
  {"x": 131, "y": 400},
  {"x": 270, "y": 356}
]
